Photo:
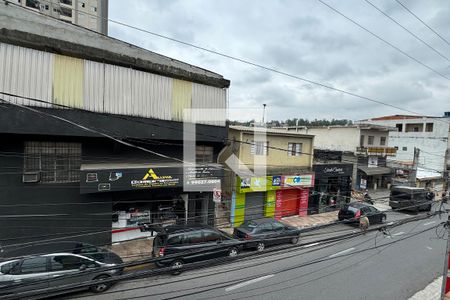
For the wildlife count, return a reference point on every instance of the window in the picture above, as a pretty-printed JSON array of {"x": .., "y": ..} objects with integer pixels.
[
  {"x": 175, "y": 240},
  {"x": 69, "y": 262},
  {"x": 294, "y": 149},
  {"x": 405, "y": 148},
  {"x": 370, "y": 140},
  {"x": 396, "y": 147},
  {"x": 204, "y": 154},
  {"x": 414, "y": 127},
  {"x": 194, "y": 237},
  {"x": 399, "y": 127},
  {"x": 259, "y": 148},
  {"x": 211, "y": 236},
  {"x": 429, "y": 127},
  {"x": 6, "y": 268},
  {"x": 56, "y": 162},
  {"x": 34, "y": 265},
  {"x": 382, "y": 141},
  {"x": 94, "y": 9},
  {"x": 361, "y": 141},
  {"x": 278, "y": 226},
  {"x": 265, "y": 227},
  {"x": 32, "y": 3}
]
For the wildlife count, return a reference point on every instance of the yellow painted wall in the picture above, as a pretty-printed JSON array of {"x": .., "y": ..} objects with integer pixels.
[
  {"x": 239, "y": 210},
  {"x": 181, "y": 98},
  {"x": 68, "y": 81},
  {"x": 279, "y": 158},
  {"x": 269, "y": 205}
]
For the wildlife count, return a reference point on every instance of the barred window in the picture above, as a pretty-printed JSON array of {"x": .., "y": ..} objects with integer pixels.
[
  {"x": 294, "y": 149},
  {"x": 204, "y": 154},
  {"x": 56, "y": 162}
]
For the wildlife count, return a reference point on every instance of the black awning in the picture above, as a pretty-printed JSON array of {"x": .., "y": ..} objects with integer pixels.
[{"x": 369, "y": 171}]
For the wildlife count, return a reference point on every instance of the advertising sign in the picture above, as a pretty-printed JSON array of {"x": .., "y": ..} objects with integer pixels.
[
  {"x": 363, "y": 183},
  {"x": 278, "y": 204},
  {"x": 305, "y": 180},
  {"x": 303, "y": 207}
]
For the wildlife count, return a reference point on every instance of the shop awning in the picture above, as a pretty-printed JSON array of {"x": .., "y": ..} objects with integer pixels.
[
  {"x": 369, "y": 171},
  {"x": 125, "y": 176}
]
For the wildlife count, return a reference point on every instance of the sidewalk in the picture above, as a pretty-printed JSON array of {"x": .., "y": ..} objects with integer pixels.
[{"x": 311, "y": 220}]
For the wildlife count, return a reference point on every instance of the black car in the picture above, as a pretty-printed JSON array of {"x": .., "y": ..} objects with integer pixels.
[
  {"x": 97, "y": 253},
  {"x": 192, "y": 243},
  {"x": 353, "y": 211},
  {"x": 264, "y": 232}
]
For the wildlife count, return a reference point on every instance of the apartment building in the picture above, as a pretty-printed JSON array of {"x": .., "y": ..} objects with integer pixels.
[{"x": 90, "y": 14}]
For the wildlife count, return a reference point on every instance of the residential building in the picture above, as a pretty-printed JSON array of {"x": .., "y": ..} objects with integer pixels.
[
  {"x": 364, "y": 146},
  {"x": 429, "y": 136},
  {"x": 92, "y": 134},
  {"x": 90, "y": 14},
  {"x": 285, "y": 188}
]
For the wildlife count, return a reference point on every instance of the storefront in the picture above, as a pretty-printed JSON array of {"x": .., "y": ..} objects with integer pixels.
[
  {"x": 373, "y": 177},
  {"x": 332, "y": 187},
  {"x": 153, "y": 194},
  {"x": 271, "y": 196}
]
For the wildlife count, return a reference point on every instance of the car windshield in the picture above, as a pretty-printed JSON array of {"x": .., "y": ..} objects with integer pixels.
[{"x": 250, "y": 225}]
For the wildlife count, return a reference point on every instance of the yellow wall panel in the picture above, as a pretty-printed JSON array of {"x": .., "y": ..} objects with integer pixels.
[
  {"x": 181, "y": 98},
  {"x": 68, "y": 81}
]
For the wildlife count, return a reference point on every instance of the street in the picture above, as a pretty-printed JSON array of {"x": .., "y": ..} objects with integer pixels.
[{"x": 370, "y": 266}]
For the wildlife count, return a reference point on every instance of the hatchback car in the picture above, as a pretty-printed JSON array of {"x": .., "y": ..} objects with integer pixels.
[
  {"x": 353, "y": 211},
  {"x": 192, "y": 243},
  {"x": 49, "y": 271},
  {"x": 264, "y": 232}
]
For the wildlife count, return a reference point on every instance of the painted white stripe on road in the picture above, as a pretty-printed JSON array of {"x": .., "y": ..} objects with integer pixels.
[
  {"x": 429, "y": 223},
  {"x": 245, "y": 283},
  {"x": 399, "y": 233},
  {"x": 342, "y": 252},
  {"x": 310, "y": 245},
  {"x": 429, "y": 248}
]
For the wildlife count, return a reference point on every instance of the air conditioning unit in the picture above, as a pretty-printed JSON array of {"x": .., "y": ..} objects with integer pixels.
[{"x": 30, "y": 177}]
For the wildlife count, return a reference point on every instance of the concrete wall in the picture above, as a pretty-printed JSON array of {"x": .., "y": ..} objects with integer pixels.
[
  {"x": 432, "y": 144},
  {"x": 334, "y": 138},
  {"x": 377, "y": 137}
]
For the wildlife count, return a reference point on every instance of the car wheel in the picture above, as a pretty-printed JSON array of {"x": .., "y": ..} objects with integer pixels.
[
  {"x": 260, "y": 246},
  {"x": 100, "y": 287},
  {"x": 176, "y": 266},
  {"x": 233, "y": 252},
  {"x": 295, "y": 240}
]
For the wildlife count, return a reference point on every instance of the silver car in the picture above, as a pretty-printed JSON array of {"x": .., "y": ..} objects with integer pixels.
[{"x": 51, "y": 271}]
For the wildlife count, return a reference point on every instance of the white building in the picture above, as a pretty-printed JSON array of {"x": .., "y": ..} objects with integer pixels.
[
  {"x": 365, "y": 145},
  {"x": 91, "y": 14},
  {"x": 429, "y": 134}
]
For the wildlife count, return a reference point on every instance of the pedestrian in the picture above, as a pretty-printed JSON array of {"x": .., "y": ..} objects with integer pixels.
[{"x": 363, "y": 223}]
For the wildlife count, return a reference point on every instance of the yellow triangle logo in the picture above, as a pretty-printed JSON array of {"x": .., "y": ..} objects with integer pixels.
[{"x": 151, "y": 174}]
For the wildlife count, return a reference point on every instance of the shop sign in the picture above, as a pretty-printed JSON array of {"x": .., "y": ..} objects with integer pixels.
[
  {"x": 276, "y": 181},
  {"x": 328, "y": 170},
  {"x": 151, "y": 179},
  {"x": 254, "y": 184},
  {"x": 305, "y": 180},
  {"x": 217, "y": 195},
  {"x": 372, "y": 162},
  {"x": 278, "y": 204},
  {"x": 363, "y": 183}
]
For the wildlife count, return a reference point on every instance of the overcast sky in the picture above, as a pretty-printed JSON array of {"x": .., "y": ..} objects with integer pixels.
[{"x": 307, "y": 39}]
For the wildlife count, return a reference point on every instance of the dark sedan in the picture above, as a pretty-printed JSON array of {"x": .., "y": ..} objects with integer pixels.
[
  {"x": 265, "y": 232},
  {"x": 353, "y": 211}
]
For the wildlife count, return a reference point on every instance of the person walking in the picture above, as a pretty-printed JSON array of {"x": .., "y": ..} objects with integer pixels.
[{"x": 363, "y": 223}]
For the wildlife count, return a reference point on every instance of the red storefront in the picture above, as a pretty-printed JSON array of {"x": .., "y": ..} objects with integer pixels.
[{"x": 293, "y": 198}]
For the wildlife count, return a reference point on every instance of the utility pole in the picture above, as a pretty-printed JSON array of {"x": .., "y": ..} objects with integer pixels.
[
  {"x": 264, "y": 113},
  {"x": 413, "y": 173},
  {"x": 446, "y": 171},
  {"x": 445, "y": 277}
]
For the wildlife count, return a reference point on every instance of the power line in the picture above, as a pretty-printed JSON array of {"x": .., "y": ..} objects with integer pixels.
[
  {"x": 271, "y": 69},
  {"x": 383, "y": 40},
  {"x": 409, "y": 31},
  {"x": 423, "y": 22}
]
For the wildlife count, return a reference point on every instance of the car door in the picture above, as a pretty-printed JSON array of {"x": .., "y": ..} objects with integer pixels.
[
  {"x": 365, "y": 210},
  {"x": 69, "y": 269},
  {"x": 376, "y": 215},
  {"x": 266, "y": 233},
  {"x": 213, "y": 244},
  {"x": 30, "y": 274},
  {"x": 192, "y": 246}
]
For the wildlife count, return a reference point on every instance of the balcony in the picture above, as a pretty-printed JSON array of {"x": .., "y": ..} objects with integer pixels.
[{"x": 376, "y": 151}]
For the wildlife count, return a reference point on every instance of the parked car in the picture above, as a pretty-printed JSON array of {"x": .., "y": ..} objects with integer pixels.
[
  {"x": 410, "y": 198},
  {"x": 352, "y": 212},
  {"x": 265, "y": 232},
  {"x": 48, "y": 271},
  {"x": 192, "y": 243},
  {"x": 97, "y": 253}
]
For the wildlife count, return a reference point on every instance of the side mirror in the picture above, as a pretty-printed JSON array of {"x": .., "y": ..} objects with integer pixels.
[{"x": 83, "y": 267}]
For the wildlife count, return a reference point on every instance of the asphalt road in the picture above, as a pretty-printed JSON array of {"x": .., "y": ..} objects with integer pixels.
[{"x": 400, "y": 265}]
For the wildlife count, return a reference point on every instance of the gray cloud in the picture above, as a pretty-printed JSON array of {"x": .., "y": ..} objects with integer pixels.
[{"x": 306, "y": 39}]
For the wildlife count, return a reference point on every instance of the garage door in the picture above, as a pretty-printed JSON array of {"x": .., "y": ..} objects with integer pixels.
[
  {"x": 254, "y": 206},
  {"x": 289, "y": 203}
]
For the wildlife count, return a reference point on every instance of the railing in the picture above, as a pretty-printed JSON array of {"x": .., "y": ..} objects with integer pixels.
[{"x": 377, "y": 151}]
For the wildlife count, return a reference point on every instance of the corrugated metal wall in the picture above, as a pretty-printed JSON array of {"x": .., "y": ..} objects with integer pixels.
[
  {"x": 215, "y": 99},
  {"x": 26, "y": 72},
  {"x": 181, "y": 98},
  {"x": 68, "y": 73},
  {"x": 102, "y": 87}
]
